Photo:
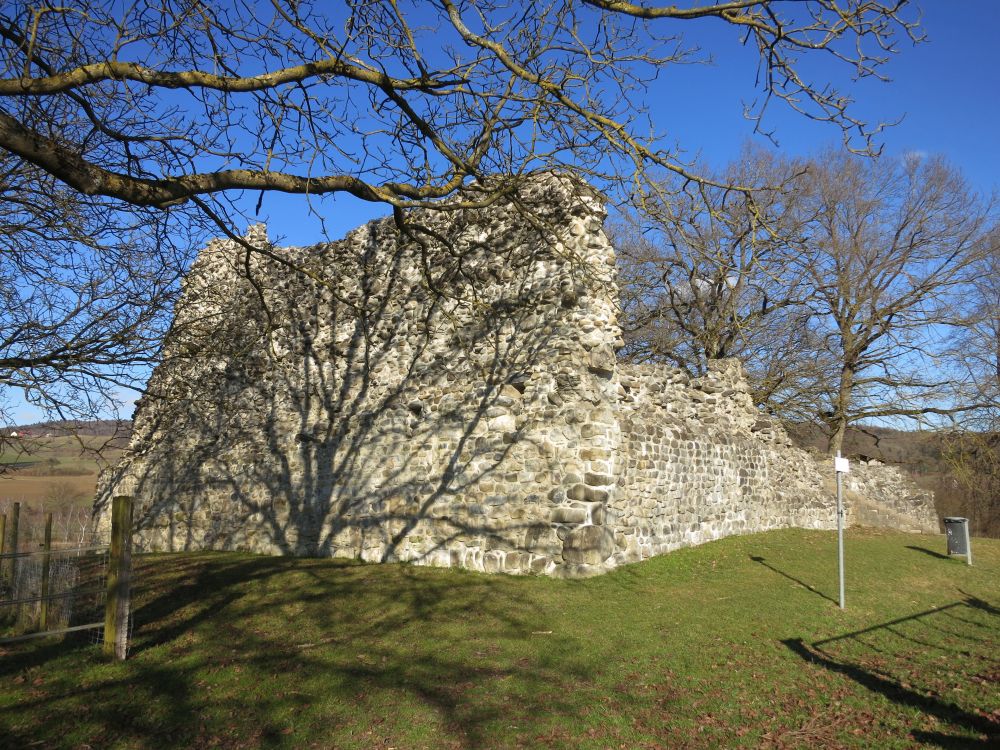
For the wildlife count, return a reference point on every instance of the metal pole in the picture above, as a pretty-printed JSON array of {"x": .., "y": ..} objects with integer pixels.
[{"x": 840, "y": 535}]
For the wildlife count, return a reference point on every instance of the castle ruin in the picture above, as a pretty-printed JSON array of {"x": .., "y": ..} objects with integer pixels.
[{"x": 442, "y": 387}]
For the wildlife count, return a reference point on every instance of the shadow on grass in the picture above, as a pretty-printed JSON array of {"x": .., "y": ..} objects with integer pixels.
[
  {"x": 951, "y": 742},
  {"x": 980, "y": 604},
  {"x": 926, "y": 551},
  {"x": 799, "y": 581},
  {"x": 879, "y": 679},
  {"x": 309, "y": 647}
]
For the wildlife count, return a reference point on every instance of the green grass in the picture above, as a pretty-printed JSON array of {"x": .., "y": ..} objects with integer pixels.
[{"x": 735, "y": 643}]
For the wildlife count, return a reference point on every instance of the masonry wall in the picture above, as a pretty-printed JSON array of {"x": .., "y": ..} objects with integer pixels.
[
  {"x": 883, "y": 496},
  {"x": 699, "y": 464},
  {"x": 445, "y": 390}
]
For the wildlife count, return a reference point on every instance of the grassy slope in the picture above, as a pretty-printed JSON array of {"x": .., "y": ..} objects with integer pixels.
[{"x": 735, "y": 642}]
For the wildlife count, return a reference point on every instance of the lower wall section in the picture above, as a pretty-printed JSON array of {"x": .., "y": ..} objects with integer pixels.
[
  {"x": 678, "y": 490},
  {"x": 883, "y": 496},
  {"x": 575, "y": 495}
]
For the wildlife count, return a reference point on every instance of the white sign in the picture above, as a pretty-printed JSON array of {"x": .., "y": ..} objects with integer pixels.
[{"x": 842, "y": 465}]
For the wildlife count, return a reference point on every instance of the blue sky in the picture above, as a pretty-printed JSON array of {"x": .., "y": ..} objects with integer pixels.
[{"x": 946, "y": 90}]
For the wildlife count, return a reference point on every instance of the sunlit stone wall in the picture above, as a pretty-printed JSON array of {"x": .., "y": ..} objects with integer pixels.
[{"x": 442, "y": 388}]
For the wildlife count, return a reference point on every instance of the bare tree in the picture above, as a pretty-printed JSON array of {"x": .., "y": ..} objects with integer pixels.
[
  {"x": 976, "y": 344},
  {"x": 117, "y": 118},
  {"x": 971, "y": 487},
  {"x": 712, "y": 274},
  {"x": 157, "y": 104},
  {"x": 892, "y": 246},
  {"x": 972, "y": 448},
  {"x": 85, "y": 289},
  {"x": 839, "y": 293}
]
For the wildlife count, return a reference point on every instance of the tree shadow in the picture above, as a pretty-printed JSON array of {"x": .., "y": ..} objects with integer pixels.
[
  {"x": 799, "y": 581},
  {"x": 357, "y": 636},
  {"x": 951, "y": 742},
  {"x": 404, "y": 394},
  {"x": 979, "y": 604},
  {"x": 900, "y": 691}
]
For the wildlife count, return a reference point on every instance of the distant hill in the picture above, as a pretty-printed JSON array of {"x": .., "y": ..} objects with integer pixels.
[
  {"x": 918, "y": 452},
  {"x": 119, "y": 428}
]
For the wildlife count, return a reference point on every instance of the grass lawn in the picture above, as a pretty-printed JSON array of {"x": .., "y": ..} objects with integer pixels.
[{"x": 734, "y": 643}]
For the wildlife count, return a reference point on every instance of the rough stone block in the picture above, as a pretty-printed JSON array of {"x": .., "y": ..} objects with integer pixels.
[
  {"x": 602, "y": 361},
  {"x": 597, "y": 480},
  {"x": 569, "y": 515},
  {"x": 502, "y": 423},
  {"x": 588, "y": 545}
]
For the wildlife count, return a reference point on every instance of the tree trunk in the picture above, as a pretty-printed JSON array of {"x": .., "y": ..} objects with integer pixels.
[
  {"x": 839, "y": 419},
  {"x": 836, "y": 441}
]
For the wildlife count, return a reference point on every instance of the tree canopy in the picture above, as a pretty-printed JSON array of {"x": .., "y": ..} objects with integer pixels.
[
  {"x": 159, "y": 103},
  {"x": 842, "y": 295},
  {"x": 124, "y": 127}
]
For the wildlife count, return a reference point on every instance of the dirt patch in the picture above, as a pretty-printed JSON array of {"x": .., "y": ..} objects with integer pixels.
[{"x": 52, "y": 492}]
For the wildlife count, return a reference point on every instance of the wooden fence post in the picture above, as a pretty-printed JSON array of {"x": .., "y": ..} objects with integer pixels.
[
  {"x": 3, "y": 549},
  {"x": 3, "y": 542},
  {"x": 116, "y": 609},
  {"x": 43, "y": 620},
  {"x": 14, "y": 518}
]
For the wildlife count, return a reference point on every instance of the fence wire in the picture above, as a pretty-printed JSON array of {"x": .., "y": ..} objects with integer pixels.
[{"x": 76, "y": 596}]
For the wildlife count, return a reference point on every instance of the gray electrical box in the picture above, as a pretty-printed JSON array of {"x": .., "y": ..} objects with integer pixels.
[{"x": 957, "y": 530}]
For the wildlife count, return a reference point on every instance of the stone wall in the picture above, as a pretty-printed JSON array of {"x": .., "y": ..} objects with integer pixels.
[
  {"x": 883, "y": 496},
  {"x": 442, "y": 388},
  {"x": 698, "y": 463}
]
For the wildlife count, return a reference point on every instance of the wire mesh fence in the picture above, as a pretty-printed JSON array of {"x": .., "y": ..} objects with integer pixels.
[
  {"x": 60, "y": 591},
  {"x": 61, "y": 585}
]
